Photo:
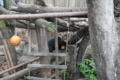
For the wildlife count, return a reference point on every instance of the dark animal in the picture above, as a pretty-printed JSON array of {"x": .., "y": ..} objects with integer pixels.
[{"x": 61, "y": 44}]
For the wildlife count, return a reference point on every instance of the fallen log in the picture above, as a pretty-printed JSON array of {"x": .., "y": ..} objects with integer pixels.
[
  {"x": 49, "y": 25},
  {"x": 20, "y": 24},
  {"x": 32, "y": 8}
]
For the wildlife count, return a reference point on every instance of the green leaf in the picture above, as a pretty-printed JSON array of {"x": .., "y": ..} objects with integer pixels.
[{"x": 88, "y": 69}]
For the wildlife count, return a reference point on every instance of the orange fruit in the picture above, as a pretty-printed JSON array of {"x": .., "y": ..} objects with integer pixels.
[{"x": 15, "y": 40}]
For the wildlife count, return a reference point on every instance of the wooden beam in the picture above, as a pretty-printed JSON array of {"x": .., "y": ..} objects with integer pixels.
[
  {"x": 42, "y": 15},
  {"x": 48, "y": 54},
  {"x": 47, "y": 66},
  {"x": 36, "y": 78}
]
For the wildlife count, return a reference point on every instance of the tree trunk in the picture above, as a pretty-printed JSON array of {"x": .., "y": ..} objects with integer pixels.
[
  {"x": 77, "y": 58},
  {"x": 105, "y": 40}
]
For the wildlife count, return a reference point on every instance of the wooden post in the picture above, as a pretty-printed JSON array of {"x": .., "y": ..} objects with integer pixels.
[
  {"x": 43, "y": 47},
  {"x": 73, "y": 58}
]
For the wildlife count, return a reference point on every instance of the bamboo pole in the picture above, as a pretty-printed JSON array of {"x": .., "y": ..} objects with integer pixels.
[
  {"x": 7, "y": 59},
  {"x": 8, "y": 54},
  {"x": 42, "y": 15}
]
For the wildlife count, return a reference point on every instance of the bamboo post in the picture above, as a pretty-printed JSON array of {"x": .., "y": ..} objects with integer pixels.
[
  {"x": 8, "y": 54},
  {"x": 7, "y": 59}
]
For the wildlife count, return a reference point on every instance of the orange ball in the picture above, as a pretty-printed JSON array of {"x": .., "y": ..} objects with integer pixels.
[{"x": 15, "y": 40}]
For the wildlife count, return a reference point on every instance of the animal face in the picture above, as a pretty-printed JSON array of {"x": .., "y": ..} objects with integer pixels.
[{"x": 63, "y": 47}]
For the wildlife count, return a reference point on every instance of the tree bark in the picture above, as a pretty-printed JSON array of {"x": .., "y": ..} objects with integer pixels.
[
  {"x": 73, "y": 58},
  {"x": 82, "y": 48},
  {"x": 78, "y": 58},
  {"x": 105, "y": 39}
]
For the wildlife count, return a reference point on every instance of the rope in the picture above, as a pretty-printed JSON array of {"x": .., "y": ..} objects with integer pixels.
[
  {"x": 68, "y": 25},
  {"x": 15, "y": 31}
]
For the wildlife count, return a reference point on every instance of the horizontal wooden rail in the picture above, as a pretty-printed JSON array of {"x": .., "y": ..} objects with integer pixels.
[
  {"x": 47, "y": 66},
  {"x": 42, "y": 15},
  {"x": 48, "y": 54},
  {"x": 36, "y": 78}
]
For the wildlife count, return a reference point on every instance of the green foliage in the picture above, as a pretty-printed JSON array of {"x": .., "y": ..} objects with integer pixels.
[
  {"x": 65, "y": 74},
  {"x": 87, "y": 68}
]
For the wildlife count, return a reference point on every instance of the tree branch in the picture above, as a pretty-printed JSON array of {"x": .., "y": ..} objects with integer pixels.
[{"x": 78, "y": 35}]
